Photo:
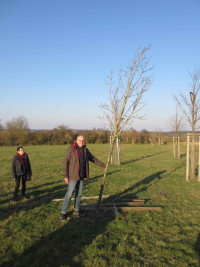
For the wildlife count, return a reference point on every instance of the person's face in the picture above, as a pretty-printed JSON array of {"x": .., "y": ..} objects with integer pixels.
[
  {"x": 21, "y": 151},
  {"x": 80, "y": 141}
]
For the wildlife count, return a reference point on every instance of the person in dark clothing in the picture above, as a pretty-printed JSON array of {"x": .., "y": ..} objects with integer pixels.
[
  {"x": 21, "y": 170},
  {"x": 76, "y": 168}
]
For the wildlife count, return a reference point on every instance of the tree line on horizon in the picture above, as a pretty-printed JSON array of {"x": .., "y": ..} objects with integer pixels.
[{"x": 17, "y": 132}]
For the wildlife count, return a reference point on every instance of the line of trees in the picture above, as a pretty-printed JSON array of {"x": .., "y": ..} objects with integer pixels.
[{"x": 17, "y": 132}]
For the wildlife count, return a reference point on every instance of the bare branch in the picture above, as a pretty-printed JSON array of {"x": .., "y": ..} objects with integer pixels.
[
  {"x": 191, "y": 106},
  {"x": 125, "y": 98},
  {"x": 176, "y": 122}
]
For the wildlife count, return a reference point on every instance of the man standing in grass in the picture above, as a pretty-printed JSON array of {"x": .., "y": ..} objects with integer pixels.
[
  {"x": 76, "y": 168},
  {"x": 21, "y": 170}
]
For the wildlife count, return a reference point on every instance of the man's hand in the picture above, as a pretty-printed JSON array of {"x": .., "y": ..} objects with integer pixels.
[
  {"x": 13, "y": 179},
  {"x": 66, "y": 180}
]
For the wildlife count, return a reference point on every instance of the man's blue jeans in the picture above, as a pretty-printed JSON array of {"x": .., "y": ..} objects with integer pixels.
[{"x": 78, "y": 184}]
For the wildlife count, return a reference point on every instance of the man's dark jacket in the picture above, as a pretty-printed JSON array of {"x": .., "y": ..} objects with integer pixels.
[
  {"x": 71, "y": 166},
  {"x": 18, "y": 169}
]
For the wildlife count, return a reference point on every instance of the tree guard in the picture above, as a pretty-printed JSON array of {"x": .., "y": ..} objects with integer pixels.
[
  {"x": 159, "y": 141},
  {"x": 190, "y": 156},
  {"x": 176, "y": 147},
  {"x": 115, "y": 157}
]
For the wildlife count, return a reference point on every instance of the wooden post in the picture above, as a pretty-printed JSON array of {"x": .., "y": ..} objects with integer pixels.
[
  {"x": 118, "y": 149},
  {"x": 111, "y": 157},
  {"x": 199, "y": 162},
  {"x": 174, "y": 147},
  {"x": 115, "y": 157},
  {"x": 192, "y": 157},
  {"x": 150, "y": 141},
  {"x": 188, "y": 158},
  {"x": 190, "y": 169},
  {"x": 179, "y": 147},
  {"x": 159, "y": 141}
]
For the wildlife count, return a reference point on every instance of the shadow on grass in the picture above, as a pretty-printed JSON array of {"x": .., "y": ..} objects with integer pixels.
[
  {"x": 197, "y": 245},
  {"x": 183, "y": 155},
  {"x": 64, "y": 246},
  {"x": 42, "y": 185},
  {"x": 141, "y": 186},
  {"x": 134, "y": 160},
  {"x": 28, "y": 189},
  {"x": 143, "y": 157},
  {"x": 39, "y": 197},
  {"x": 92, "y": 180}
]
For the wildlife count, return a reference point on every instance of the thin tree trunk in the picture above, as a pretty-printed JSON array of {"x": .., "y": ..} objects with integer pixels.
[{"x": 105, "y": 173}]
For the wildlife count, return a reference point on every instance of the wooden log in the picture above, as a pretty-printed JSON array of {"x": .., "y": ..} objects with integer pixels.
[
  {"x": 134, "y": 200},
  {"x": 82, "y": 198},
  {"x": 119, "y": 204},
  {"x": 123, "y": 209},
  {"x": 104, "y": 196}
]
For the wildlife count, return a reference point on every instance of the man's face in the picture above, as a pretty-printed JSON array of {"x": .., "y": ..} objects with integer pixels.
[
  {"x": 80, "y": 141},
  {"x": 21, "y": 151}
]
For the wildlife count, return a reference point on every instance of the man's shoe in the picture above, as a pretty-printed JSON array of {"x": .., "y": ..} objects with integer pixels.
[
  {"x": 78, "y": 213},
  {"x": 15, "y": 199},
  {"x": 63, "y": 217}
]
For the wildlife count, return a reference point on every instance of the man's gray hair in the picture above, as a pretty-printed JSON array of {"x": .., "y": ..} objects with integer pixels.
[{"x": 80, "y": 136}]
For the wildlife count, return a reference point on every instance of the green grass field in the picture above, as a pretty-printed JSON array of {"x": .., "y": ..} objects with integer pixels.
[{"x": 33, "y": 235}]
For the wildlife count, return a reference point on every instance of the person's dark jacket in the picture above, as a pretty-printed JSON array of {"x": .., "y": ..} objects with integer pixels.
[
  {"x": 18, "y": 169},
  {"x": 71, "y": 167}
]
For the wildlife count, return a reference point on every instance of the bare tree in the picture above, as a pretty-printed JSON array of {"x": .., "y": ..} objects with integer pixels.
[
  {"x": 125, "y": 99},
  {"x": 158, "y": 136},
  {"x": 18, "y": 129},
  {"x": 19, "y": 123},
  {"x": 176, "y": 123},
  {"x": 190, "y": 106}
]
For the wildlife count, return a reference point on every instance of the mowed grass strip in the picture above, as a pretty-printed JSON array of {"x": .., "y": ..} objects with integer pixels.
[{"x": 31, "y": 233}]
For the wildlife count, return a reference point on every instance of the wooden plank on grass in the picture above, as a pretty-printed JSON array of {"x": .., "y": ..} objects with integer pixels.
[
  {"x": 120, "y": 204},
  {"x": 134, "y": 200},
  {"x": 124, "y": 209},
  {"x": 82, "y": 198}
]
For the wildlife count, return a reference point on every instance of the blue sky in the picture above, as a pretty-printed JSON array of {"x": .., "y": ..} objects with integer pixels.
[{"x": 55, "y": 56}]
